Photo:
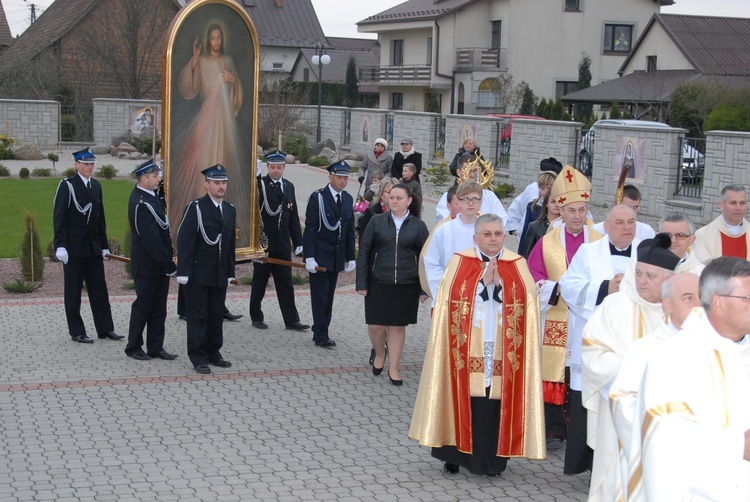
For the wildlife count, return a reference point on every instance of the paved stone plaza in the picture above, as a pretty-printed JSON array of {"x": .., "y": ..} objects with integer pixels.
[{"x": 289, "y": 421}]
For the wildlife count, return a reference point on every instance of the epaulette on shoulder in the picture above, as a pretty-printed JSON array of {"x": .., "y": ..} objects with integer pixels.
[{"x": 228, "y": 204}]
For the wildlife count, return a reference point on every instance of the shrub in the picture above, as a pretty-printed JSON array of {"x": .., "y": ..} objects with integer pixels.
[
  {"x": 30, "y": 252},
  {"x": 129, "y": 285},
  {"x": 246, "y": 280},
  {"x": 4, "y": 171},
  {"x": 21, "y": 287},
  {"x": 127, "y": 246},
  {"x": 438, "y": 175},
  {"x": 114, "y": 245},
  {"x": 54, "y": 158},
  {"x": 145, "y": 145},
  {"x": 295, "y": 143},
  {"x": 42, "y": 172},
  {"x": 107, "y": 172},
  {"x": 23, "y": 173},
  {"x": 51, "y": 251},
  {"x": 6, "y": 142},
  {"x": 300, "y": 278},
  {"x": 318, "y": 161},
  {"x": 69, "y": 172},
  {"x": 504, "y": 190}
]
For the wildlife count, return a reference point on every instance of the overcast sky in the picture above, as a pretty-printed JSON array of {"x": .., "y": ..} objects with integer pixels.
[{"x": 340, "y": 22}]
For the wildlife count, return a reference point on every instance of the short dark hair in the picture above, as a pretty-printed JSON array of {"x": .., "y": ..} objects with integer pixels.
[
  {"x": 716, "y": 278},
  {"x": 631, "y": 192},
  {"x": 452, "y": 193}
]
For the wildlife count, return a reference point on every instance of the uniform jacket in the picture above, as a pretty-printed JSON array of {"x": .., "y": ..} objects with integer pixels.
[
  {"x": 82, "y": 235},
  {"x": 151, "y": 252},
  {"x": 283, "y": 230},
  {"x": 330, "y": 248},
  {"x": 384, "y": 258},
  {"x": 203, "y": 263}
]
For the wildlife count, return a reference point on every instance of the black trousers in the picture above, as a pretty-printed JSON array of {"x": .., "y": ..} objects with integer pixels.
[
  {"x": 483, "y": 460},
  {"x": 282, "y": 280},
  {"x": 205, "y": 322},
  {"x": 149, "y": 311},
  {"x": 322, "y": 288},
  {"x": 181, "y": 302},
  {"x": 578, "y": 455},
  {"x": 91, "y": 270},
  {"x": 554, "y": 420}
]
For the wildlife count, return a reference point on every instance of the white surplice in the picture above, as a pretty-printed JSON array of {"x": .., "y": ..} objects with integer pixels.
[
  {"x": 623, "y": 395},
  {"x": 592, "y": 264},
  {"x": 620, "y": 320},
  {"x": 449, "y": 238},
  {"x": 694, "y": 395}
]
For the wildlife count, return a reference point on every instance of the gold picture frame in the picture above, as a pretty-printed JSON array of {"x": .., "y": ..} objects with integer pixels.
[{"x": 210, "y": 112}]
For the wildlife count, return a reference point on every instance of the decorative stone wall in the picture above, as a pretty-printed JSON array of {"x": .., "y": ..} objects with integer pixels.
[
  {"x": 727, "y": 161},
  {"x": 31, "y": 122},
  {"x": 112, "y": 117}
]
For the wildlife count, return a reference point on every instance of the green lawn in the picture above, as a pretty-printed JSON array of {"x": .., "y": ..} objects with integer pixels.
[{"x": 35, "y": 195}]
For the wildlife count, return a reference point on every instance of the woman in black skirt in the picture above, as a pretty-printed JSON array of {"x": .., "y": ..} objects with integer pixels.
[{"x": 388, "y": 278}]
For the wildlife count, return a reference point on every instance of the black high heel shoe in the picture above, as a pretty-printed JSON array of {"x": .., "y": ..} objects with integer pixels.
[
  {"x": 377, "y": 371},
  {"x": 397, "y": 383}
]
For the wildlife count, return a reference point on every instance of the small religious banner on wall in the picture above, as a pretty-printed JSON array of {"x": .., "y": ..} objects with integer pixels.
[
  {"x": 366, "y": 127},
  {"x": 467, "y": 131},
  {"x": 630, "y": 155},
  {"x": 143, "y": 120},
  {"x": 210, "y": 115}
]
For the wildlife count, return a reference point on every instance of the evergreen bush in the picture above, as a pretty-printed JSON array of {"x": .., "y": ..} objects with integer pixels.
[
  {"x": 42, "y": 172},
  {"x": 438, "y": 175},
  {"x": 30, "y": 252},
  {"x": 107, "y": 172},
  {"x": 23, "y": 173},
  {"x": 69, "y": 172},
  {"x": 318, "y": 161},
  {"x": 4, "y": 171}
]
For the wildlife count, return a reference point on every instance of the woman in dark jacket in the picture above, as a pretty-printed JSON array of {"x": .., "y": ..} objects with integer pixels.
[
  {"x": 407, "y": 155},
  {"x": 538, "y": 228},
  {"x": 470, "y": 146},
  {"x": 388, "y": 278}
]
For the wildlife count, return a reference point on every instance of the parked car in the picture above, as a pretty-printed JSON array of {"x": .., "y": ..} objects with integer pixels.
[
  {"x": 507, "y": 132},
  {"x": 692, "y": 159}
]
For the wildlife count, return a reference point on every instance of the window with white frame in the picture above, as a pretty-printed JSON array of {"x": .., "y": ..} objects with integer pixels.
[{"x": 489, "y": 93}]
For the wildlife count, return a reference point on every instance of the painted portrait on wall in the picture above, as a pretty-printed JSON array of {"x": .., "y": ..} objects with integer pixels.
[
  {"x": 467, "y": 131},
  {"x": 210, "y": 110},
  {"x": 366, "y": 125},
  {"x": 630, "y": 155},
  {"x": 143, "y": 119}
]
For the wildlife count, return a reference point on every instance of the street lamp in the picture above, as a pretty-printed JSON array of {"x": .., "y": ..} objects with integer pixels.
[{"x": 320, "y": 58}]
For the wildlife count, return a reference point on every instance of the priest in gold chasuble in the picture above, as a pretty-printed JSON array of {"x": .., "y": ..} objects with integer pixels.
[{"x": 480, "y": 395}]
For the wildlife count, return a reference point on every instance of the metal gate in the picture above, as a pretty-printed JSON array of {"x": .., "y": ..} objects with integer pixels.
[
  {"x": 584, "y": 152},
  {"x": 690, "y": 167},
  {"x": 347, "y": 126},
  {"x": 502, "y": 143}
]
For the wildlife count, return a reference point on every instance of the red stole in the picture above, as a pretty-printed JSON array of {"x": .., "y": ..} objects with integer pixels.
[
  {"x": 509, "y": 369},
  {"x": 734, "y": 246}
]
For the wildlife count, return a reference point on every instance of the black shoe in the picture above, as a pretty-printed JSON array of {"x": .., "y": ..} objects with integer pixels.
[
  {"x": 450, "y": 468},
  {"x": 111, "y": 335},
  {"x": 232, "y": 317},
  {"x": 182, "y": 317},
  {"x": 163, "y": 354},
  {"x": 140, "y": 355},
  {"x": 397, "y": 383},
  {"x": 221, "y": 363},
  {"x": 554, "y": 442},
  {"x": 326, "y": 343},
  {"x": 372, "y": 356},
  {"x": 82, "y": 339},
  {"x": 203, "y": 369},
  {"x": 260, "y": 325},
  {"x": 298, "y": 326}
]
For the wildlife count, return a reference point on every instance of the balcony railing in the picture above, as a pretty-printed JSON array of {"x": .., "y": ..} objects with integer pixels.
[
  {"x": 400, "y": 74},
  {"x": 477, "y": 58}
]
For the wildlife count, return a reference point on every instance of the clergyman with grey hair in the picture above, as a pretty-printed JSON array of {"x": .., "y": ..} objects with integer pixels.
[{"x": 728, "y": 234}]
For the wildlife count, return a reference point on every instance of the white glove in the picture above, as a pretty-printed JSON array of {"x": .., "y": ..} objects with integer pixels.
[
  {"x": 182, "y": 279},
  {"x": 258, "y": 167},
  {"x": 350, "y": 266},
  {"x": 310, "y": 265},
  {"x": 298, "y": 251},
  {"x": 62, "y": 255},
  {"x": 105, "y": 252},
  {"x": 229, "y": 281}
]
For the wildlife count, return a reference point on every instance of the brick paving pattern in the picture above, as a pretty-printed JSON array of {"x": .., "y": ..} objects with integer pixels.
[{"x": 288, "y": 422}]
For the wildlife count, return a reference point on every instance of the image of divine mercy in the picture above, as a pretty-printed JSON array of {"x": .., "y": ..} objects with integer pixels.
[{"x": 212, "y": 135}]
